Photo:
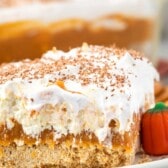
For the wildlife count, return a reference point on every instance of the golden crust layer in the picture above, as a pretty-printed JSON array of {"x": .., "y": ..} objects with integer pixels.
[{"x": 64, "y": 156}]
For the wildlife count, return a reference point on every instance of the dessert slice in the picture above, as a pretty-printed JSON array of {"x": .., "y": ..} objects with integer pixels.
[{"x": 76, "y": 109}]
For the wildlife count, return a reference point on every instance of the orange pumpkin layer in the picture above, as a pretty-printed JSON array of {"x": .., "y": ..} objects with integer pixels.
[
  {"x": 36, "y": 38},
  {"x": 126, "y": 140}
]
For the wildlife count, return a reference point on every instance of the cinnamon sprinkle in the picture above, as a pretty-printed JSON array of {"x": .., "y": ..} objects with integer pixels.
[{"x": 94, "y": 66}]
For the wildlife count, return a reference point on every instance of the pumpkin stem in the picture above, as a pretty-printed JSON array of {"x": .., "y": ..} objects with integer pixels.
[{"x": 160, "y": 106}]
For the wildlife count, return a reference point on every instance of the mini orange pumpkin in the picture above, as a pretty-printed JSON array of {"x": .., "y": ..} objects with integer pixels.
[{"x": 154, "y": 130}]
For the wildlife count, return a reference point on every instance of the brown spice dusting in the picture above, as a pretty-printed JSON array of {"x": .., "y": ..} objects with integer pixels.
[{"x": 94, "y": 66}]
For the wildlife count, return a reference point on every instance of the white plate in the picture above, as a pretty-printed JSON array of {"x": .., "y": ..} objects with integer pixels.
[{"x": 154, "y": 164}]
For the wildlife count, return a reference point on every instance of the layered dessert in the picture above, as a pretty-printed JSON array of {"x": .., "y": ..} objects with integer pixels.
[
  {"x": 80, "y": 108},
  {"x": 68, "y": 23}
]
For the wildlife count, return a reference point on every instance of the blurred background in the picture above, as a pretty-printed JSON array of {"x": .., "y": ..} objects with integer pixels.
[
  {"x": 163, "y": 46},
  {"x": 164, "y": 31},
  {"x": 28, "y": 28}
]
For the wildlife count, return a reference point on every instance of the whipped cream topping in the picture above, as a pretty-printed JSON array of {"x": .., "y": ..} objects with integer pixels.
[{"x": 98, "y": 85}]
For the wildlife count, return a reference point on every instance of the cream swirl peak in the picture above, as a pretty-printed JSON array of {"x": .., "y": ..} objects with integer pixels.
[{"x": 82, "y": 90}]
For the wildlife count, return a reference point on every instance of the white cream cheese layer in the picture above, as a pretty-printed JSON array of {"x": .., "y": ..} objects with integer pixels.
[{"x": 40, "y": 104}]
